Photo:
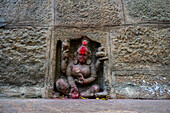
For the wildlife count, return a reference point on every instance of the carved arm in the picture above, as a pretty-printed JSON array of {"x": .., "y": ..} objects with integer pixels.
[
  {"x": 69, "y": 76},
  {"x": 74, "y": 92},
  {"x": 101, "y": 56},
  {"x": 65, "y": 55}
]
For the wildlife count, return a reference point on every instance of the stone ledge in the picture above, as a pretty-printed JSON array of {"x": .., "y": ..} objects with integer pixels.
[
  {"x": 84, "y": 106},
  {"x": 153, "y": 72},
  {"x": 21, "y": 92},
  {"x": 141, "y": 84}
]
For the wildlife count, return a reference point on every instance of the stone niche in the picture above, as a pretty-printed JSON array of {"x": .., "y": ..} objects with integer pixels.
[{"x": 63, "y": 42}]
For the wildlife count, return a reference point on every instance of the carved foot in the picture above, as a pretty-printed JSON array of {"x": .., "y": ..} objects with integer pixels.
[
  {"x": 101, "y": 94},
  {"x": 91, "y": 92}
]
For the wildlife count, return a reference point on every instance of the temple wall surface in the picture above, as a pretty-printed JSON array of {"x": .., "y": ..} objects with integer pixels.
[{"x": 135, "y": 33}]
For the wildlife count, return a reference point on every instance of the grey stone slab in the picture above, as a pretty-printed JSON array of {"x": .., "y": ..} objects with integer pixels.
[{"x": 26, "y": 12}]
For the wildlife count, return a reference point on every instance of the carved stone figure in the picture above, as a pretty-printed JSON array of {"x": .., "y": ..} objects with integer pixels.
[
  {"x": 80, "y": 71},
  {"x": 65, "y": 55}
]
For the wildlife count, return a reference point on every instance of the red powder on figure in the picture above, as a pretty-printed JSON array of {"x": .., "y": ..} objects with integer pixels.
[
  {"x": 83, "y": 50},
  {"x": 85, "y": 42}
]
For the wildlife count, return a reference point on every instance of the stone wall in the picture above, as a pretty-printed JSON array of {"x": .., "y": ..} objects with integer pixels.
[
  {"x": 137, "y": 41},
  {"x": 23, "y": 33},
  {"x": 22, "y": 57},
  {"x": 141, "y": 62},
  {"x": 22, "y": 54}
]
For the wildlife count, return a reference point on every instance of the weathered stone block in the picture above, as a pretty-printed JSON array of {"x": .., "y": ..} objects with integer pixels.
[
  {"x": 22, "y": 56},
  {"x": 26, "y": 12},
  {"x": 87, "y": 12},
  {"x": 142, "y": 84},
  {"x": 147, "y": 10},
  {"x": 100, "y": 35},
  {"x": 135, "y": 48}
]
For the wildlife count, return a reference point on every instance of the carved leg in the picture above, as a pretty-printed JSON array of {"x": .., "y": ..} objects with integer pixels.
[
  {"x": 62, "y": 86},
  {"x": 91, "y": 92}
]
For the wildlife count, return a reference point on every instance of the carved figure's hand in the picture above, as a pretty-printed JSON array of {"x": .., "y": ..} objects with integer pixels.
[
  {"x": 101, "y": 54},
  {"x": 80, "y": 79},
  {"x": 74, "y": 92},
  {"x": 65, "y": 54},
  {"x": 65, "y": 44}
]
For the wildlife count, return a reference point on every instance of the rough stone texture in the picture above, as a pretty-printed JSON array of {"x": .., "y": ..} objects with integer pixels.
[
  {"x": 138, "y": 64},
  {"x": 140, "y": 48},
  {"x": 149, "y": 10},
  {"x": 26, "y": 12},
  {"x": 99, "y": 35},
  {"x": 141, "y": 62},
  {"x": 22, "y": 56},
  {"x": 87, "y": 12}
]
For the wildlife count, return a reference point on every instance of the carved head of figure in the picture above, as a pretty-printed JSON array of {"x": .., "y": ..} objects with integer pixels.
[{"x": 82, "y": 52}]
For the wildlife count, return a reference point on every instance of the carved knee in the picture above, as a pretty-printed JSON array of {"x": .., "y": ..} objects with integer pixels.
[
  {"x": 86, "y": 94},
  {"x": 62, "y": 86}
]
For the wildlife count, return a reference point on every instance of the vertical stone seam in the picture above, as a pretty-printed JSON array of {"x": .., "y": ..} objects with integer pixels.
[
  {"x": 109, "y": 49},
  {"x": 123, "y": 9},
  {"x": 48, "y": 67},
  {"x": 110, "y": 57},
  {"x": 50, "y": 55},
  {"x": 46, "y": 79},
  {"x": 54, "y": 12},
  {"x": 89, "y": 12},
  {"x": 110, "y": 60},
  {"x": 53, "y": 59}
]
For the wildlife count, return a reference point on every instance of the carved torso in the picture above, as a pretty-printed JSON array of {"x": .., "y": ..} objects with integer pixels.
[{"x": 82, "y": 69}]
